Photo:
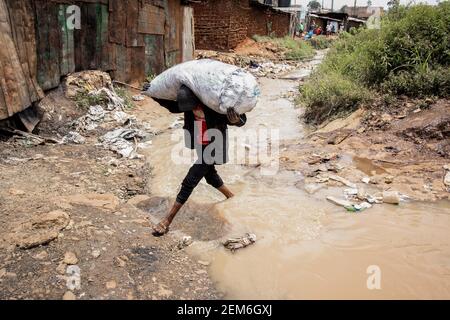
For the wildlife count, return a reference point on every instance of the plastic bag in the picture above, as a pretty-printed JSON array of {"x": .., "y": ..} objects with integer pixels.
[{"x": 218, "y": 85}]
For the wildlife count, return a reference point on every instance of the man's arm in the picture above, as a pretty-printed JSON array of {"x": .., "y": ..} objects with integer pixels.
[{"x": 172, "y": 106}]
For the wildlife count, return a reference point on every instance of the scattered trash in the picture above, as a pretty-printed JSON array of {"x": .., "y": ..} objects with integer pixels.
[
  {"x": 350, "y": 206},
  {"x": 185, "y": 242},
  {"x": 240, "y": 243},
  {"x": 343, "y": 181},
  {"x": 117, "y": 141},
  {"x": 73, "y": 138},
  {"x": 366, "y": 180},
  {"x": 340, "y": 202},
  {"x": 138, "y": 97},
  {"x": 447, "y": 176}
]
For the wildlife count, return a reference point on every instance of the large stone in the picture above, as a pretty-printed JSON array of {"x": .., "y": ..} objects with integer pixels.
[
  {"x": 39, "y": 230},
  {"x": 101, "y": 201},
  {"x": 70, "y": 258}
]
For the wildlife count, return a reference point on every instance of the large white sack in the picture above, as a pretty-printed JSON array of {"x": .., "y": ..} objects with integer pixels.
[{"x": 218, "y": 85}]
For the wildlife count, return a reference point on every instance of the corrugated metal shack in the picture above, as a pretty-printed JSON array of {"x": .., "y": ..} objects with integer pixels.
[{"x": 130, "y": 39}]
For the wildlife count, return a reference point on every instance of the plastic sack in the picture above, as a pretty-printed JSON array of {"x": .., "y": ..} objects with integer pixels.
[{"x": 218, "y": 85}]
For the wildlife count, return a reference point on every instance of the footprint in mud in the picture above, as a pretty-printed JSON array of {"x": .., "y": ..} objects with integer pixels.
[{"x": 202, "y": 222}]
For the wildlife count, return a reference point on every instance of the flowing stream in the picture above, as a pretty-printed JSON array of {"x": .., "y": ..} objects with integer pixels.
[{"x": 308, "y": 248}]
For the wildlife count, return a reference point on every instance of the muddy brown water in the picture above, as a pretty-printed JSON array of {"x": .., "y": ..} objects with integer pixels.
[{"x": 308, "y": 248}]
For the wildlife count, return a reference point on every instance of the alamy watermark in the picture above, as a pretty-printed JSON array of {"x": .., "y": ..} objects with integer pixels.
[{"x": 374, "y": 279}]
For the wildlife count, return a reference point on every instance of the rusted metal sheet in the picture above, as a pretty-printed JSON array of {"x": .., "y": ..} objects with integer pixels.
[
  {"x": 173, "y": 43},
  {"x": 134, "y": 38},
  {"x": 117, "y": 21},
  {"x": 18, "y": 85},
  {"x": 152, "y": 20},
  {"x": 67, "y": 57},
  {"x": 48, "y": 44},
  {"x": 154, "y": 56}
]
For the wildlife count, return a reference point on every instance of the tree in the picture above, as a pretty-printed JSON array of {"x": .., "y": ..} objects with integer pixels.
[
  {"x": 369, "y": 3},
  {"x": 314, "y": 5}
]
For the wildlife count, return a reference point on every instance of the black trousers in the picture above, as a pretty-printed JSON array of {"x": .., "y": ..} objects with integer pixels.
[{"x": 197, "y": 172}]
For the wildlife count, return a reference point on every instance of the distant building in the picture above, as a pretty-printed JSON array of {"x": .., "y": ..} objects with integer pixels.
[{"x": 363, "y": 12}]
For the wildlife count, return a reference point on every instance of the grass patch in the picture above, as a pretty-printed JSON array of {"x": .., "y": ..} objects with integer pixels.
[
  {"x": 125, "y": 95},
  {"x": 294, "y": 49},
  {"x": 85, "y": 100}
]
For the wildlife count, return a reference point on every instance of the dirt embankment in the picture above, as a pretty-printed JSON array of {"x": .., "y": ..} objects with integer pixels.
[
  {"x": 406, "y": 149},
  {"x": 73, "y": 219}
]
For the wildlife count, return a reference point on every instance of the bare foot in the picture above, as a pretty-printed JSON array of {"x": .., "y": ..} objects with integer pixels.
[{"x": 162, "y": 228}]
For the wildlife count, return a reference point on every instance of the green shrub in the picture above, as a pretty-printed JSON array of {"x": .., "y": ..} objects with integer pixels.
[
  {"x": 421, "y": 83},
  {"x": 409, "y": 55},
  {"x": 331, "y": 96}
]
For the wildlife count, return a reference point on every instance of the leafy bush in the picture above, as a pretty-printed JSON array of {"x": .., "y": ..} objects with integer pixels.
[{"x": 409, "y": 55}]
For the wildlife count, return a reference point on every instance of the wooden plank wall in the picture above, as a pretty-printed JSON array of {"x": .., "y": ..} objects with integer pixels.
[{"x": 130, "y": 39}]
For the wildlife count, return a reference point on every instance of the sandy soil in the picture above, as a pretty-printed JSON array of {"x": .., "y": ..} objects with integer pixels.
[
  {"x": 79, "y": 205},
  {"x": 405, "y": 149}
]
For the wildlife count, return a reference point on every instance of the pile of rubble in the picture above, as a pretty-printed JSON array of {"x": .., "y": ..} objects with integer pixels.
[
  {"x": 124, "y": 131},
  {"x": 258, "y": 66}
]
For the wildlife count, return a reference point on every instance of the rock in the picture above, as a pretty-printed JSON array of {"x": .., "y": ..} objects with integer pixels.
[
  {"x": 102, "y": 201},
  {"x": 39, "y": 230},
  {"x": 110, "y": 285},
  {"x": 69, "y": 296},
  {"x": 119, "y": 262},
  {"x": 447, "y": 176},
  {"x": 2, "y": 273},
  {"x": 16, "y": 192},
  {"x": 391, "y": 197},
  {"x": 366, "y": 180},
  {"x": 43, "y": 255},
  {"x": 204, "y": 263},
  {"x": 339, "y": 136},
  {"x": 70, "y": 258},
  {"x": 388, "y": 179},
  {"x": 61, "y": 269},
  {"x": 96, "y": 253},
  {"x": 85, "y": 82},
  {"x": 312, "y": 188},
  {"x": 138, "y": 199}
]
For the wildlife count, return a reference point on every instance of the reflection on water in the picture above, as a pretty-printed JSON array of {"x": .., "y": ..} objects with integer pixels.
[{"x": 309, "y": 248}]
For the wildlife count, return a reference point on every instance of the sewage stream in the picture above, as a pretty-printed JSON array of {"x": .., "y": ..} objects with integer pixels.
[{"x": 308, "y": 248}]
